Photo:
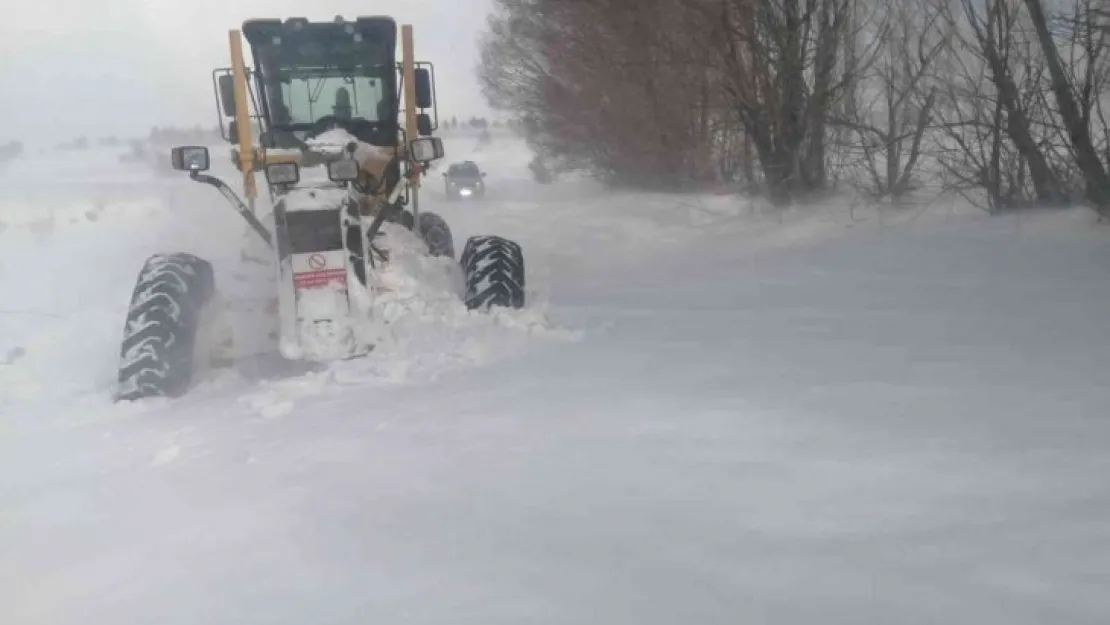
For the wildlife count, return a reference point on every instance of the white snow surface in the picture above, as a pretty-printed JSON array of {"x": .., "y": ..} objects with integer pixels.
[{"x": 708, "y": 413}]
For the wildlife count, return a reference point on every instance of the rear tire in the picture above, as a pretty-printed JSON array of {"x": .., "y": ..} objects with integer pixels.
[
  {"x": 403, "y": 217},
  {"x": 159, "y": 338},
  {"x": 436, "y": 234},
  {"x": 494, "y": 271}
]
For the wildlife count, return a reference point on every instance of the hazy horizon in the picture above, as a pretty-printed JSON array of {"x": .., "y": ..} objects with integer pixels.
[{"x": 121, "y": 67}]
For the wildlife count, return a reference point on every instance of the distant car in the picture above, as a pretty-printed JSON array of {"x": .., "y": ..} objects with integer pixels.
[{"x": 464, "y": 180}]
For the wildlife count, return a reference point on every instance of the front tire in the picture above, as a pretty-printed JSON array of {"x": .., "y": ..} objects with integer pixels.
[
  {"x": 403, "y": 217},
  {"x": 159, "y": 338},
  {"x": 494, "y": 271},
  {"x": 436, "y": 234}
]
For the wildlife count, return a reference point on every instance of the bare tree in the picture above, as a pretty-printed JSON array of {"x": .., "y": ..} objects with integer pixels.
[
  {"x": 783, "y": 75},
  {"x": 992, "y": 107},
  {"x": 617, "y": 86},
  {"x": 1075, "y": 110},
  {"x": 889, "y": 119}
]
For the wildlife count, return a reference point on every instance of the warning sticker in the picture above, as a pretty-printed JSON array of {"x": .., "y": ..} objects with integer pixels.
[{"x": 319, "y": 279}]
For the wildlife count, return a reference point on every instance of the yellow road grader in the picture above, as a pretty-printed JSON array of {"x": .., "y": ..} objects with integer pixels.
[{"x": 342, "y": 133}]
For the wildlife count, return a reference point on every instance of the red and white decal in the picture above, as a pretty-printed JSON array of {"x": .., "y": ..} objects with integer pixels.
[
  {"x": 319, "y": 270},
  {"x": 320, "y": 279}
]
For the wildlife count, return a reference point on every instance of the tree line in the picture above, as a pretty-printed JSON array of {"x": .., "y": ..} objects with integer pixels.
[
  {"x": 475, "y": 123},
  {"x": 1000, "y": 100}
]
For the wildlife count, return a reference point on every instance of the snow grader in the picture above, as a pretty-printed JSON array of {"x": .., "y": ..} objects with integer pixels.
[{"x": 342, "y": 133}]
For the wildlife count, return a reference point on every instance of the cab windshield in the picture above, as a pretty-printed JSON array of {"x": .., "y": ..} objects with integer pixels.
[
  {"x": 308, "y": 96},
  {"x": 464, "y": 169},
  {"x": 322, "y": 72}
]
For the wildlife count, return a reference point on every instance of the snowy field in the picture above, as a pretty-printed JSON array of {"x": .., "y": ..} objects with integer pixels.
[{"x": 709, "y": 413}]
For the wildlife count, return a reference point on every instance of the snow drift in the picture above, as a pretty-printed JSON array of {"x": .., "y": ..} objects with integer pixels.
[{"x": 710, "y": 415}]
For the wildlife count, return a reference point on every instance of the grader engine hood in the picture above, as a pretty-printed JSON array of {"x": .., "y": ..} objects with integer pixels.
[
  {"x": 315, "y": 268},
  {"x": 320, "y": 229}
]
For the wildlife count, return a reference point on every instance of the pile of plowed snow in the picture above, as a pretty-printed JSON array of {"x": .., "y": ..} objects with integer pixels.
[{"x": 420, "y": 327}]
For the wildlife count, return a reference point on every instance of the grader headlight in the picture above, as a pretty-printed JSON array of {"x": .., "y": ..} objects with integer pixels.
[
  {"x": 343, "y": 170},
  {"x": 283, "y": 173}
]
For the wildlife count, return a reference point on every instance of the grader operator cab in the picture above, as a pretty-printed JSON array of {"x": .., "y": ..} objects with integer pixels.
[{"x": 344, "y": 134}]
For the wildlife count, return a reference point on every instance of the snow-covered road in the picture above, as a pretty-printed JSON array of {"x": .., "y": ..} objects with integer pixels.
[{"x": 711, "y": 417}]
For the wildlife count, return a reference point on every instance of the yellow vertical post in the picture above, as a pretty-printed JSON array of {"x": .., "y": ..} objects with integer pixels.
[
  {"x": 408, "y": 69},
  {"x": 243, "y": 116}
]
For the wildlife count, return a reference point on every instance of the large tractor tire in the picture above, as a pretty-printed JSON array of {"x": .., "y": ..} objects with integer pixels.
[
  {"x": 494, "y": 270},
  {"x": 159, "y": 337},
  {"x": 437, "y": 234}
]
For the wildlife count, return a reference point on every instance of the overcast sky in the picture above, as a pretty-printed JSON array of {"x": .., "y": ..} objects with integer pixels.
[{"x": 118, "y": 67}]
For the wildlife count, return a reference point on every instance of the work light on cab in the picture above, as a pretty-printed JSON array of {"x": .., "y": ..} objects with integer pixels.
[
  {"x": 283, "y": 173},
  {"x": 343, "y": 170}
]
